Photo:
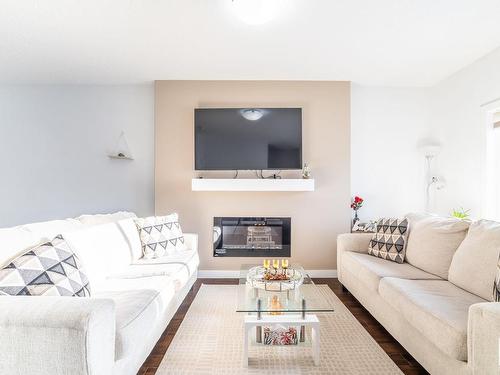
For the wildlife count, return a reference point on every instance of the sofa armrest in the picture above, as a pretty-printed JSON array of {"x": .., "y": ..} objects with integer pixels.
[
  {"x": 357, "y": 242},
  {"x": 56, "y": 335},
  {"x": 483, "y": 338},
  {"x": 191, "y": 241}
]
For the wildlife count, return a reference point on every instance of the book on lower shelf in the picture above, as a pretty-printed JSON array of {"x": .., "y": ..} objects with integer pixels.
[{"x": 280, "y": 335}]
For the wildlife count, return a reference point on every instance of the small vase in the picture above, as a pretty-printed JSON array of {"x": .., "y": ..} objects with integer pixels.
[{"x": 355, "y": 219}]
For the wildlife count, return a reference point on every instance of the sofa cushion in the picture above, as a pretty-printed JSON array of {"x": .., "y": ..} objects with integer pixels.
[
  {"x": 436, "y": 308},
  {"x": 141, "y": 306},
  {"x": 15, "y": 241},
  {"x": 473, "y": 267},
  {"x": 179, "y": 267},
  {"x": 157, "y": 283},
  {"x": 160, "y": 235},
  {"x": 104, "y": 249},
  {"x": 389, "y": 241},
  {"x": 89, "y": 220},
  {"x": 370, "y": 270},
  {"x": 50, "y": 269},
  {"x": 432, "y": 241}
]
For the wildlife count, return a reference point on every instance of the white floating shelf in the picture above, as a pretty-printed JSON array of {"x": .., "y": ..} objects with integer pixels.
[
  {"x": 122, "y": 149},
  {"x": 251, "y": 184},
  {"x": 120, "y": 157}
]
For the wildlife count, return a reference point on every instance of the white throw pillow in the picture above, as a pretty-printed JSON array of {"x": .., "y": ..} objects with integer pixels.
[
  {"x": 104, "y": 249},
  {"x": 474, "y": 264},
  {"x": 14, "y": 242},
  {"x": 131, "y": 234},
  {"x": 160, "y": 235},
  {"x": 432, "y": 242}
]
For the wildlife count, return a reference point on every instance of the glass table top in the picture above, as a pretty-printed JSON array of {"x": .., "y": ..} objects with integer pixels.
[{"x": 297, "y": 293}]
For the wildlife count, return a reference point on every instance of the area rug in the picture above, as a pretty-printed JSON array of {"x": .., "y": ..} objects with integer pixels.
[{"x": 210, "y": 341}]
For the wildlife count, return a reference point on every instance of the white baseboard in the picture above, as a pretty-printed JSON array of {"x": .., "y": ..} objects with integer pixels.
[
  {"x": 322, "y": 273},
  {"x": 234, "y": 274},
  {"x": 218, "y": 274}
]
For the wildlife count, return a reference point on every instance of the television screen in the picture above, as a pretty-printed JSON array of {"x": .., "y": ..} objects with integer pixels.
[{"x": 248, "y": 138}]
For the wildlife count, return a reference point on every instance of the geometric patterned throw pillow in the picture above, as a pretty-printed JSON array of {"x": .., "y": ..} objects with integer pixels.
[
  {"x": 50, "y": 269},
  {"x": 389, "y": 240},
  {"x": 160, "y": 235},
  {"x": 496, "y": 285}
]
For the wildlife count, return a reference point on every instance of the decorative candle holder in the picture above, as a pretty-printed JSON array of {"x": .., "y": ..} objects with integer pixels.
[
  {"x": 284, "y": 279},
  {"x": 266, "y": 264},
  {"x": 276, "y": 265},
  {"x": 284, "y": 265}
]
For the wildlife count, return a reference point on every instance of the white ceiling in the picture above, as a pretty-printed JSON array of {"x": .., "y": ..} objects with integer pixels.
[{"x": 384, "y": 42}]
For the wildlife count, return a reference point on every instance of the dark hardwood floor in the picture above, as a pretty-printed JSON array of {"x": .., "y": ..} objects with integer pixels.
[{"x": 398, "y": 354}]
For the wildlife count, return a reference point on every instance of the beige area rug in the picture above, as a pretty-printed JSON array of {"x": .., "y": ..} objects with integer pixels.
[{"x": 210, "y": 341}]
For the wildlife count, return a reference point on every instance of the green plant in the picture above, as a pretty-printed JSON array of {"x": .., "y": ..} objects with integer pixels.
[{"x": 460, "y": 213}]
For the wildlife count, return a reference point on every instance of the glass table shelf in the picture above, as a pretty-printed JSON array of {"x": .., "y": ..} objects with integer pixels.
[{"x": 297, "y": 295}]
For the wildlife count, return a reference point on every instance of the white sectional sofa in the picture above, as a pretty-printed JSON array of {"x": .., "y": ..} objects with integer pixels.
[
  {"x": 438, "y": 303},
  {"x": 114, "y": 330}
]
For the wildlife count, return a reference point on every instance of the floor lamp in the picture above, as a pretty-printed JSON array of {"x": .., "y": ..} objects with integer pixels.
[{"x": 433, "y": 181}]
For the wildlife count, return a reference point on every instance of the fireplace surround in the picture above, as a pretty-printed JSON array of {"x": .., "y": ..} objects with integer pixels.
[{"x": 252, "y": 236}]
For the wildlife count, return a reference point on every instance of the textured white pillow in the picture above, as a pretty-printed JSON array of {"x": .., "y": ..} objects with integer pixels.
[
  {"x": 160, "y": 235},
  {"x": 474, "y": 264},
  {"x": 131, "y": 234},
  {"x": 432, "y": 242},
  {"x": 14, "y": 241},
  {"x": 104, "y": 250}
]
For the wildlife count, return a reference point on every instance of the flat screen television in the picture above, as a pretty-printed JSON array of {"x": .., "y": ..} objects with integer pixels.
[{"x": 248, "y": 138}]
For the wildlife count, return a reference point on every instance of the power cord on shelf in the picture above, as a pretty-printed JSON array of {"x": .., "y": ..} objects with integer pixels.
[
  {"x": 274, "y": 176},
  {"x": 259, "y": 174}
]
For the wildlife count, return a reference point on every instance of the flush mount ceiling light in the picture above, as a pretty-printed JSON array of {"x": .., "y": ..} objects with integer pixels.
[
  {"x": 256, "y": 12},
  {"x": 252, "y": 114}
]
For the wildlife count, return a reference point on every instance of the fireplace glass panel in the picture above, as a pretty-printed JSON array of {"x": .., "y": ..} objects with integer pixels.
[
  {"x": 255, "y": 237},
  {"x": 242, "y": 236}
]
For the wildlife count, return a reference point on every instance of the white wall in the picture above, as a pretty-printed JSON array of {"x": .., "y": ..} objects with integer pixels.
[
  {"x": 54, "y": 142},
  {"x": 387, "y": 170},
  {"x": 456, "y": 119},
  {"x": 387, "y": 123}
]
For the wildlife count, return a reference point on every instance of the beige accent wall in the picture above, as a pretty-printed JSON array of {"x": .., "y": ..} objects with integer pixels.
[{"x": 317, "y": 217}]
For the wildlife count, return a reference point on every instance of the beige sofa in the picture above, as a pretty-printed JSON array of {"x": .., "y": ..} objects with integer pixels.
[{"x": 438, "y": 304}]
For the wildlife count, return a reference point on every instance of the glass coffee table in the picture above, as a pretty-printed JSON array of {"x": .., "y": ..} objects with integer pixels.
[{"x": 288, "y": 304}]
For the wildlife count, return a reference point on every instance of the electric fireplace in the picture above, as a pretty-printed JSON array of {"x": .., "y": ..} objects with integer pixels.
[{"x": 252, "y": 236}]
